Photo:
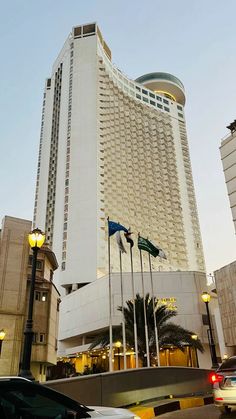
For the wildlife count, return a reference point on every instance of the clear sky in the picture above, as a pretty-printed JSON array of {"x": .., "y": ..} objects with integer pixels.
[{"x": 192, "y": 39}]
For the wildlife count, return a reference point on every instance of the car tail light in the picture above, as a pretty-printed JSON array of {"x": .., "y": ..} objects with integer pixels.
[
  {"x": 219, "y": 398},
  {"x": 216, "y": 378}
]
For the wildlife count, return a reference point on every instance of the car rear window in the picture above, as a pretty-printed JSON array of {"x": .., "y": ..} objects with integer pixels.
[{"x": 229, "y": 364}]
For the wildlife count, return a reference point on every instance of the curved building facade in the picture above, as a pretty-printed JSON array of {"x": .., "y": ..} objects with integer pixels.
[{"x": 112, "y": 146}]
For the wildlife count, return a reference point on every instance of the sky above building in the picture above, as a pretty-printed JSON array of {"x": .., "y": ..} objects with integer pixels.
[{"x": 194, "y": 40}]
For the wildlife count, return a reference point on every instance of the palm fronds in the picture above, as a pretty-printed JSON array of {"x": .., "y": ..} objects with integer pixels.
[{"x": 169, "y": 334}]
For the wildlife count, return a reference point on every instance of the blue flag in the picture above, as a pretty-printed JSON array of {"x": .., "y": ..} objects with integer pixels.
[{"x": 113, "y": 227}]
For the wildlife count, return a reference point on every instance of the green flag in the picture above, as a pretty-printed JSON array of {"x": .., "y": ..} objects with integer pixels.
[{"x": 145, "y": 244}]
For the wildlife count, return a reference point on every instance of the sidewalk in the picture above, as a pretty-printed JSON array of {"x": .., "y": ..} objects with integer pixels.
[{"x": 155, "y": 408}]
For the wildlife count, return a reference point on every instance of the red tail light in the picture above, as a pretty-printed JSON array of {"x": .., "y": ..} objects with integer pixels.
[{"x": 216, "y": 378}]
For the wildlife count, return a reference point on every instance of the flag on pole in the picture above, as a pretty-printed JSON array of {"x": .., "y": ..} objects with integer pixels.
[
  {"x": 128, "y": 238},
  {"x": 162, "y": 254},
  {"x": 113, "y": 227},
  {"x": 119, "y": 242},
  {"x": 145, "y": 244}
]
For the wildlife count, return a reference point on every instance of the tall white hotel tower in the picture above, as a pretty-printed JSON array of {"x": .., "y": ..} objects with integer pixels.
[{"x": 112, "y": 146}]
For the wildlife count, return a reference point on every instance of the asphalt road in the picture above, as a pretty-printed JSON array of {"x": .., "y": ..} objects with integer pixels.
[{"x": 208, "y": 412}]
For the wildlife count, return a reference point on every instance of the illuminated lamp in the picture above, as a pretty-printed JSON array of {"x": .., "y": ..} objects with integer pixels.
[
  {"x": 2, "y": 337},
  {"x": 36, "y": 238},
  {"x": 2, "y": 334},
  {"x": 206, "y": 298}
]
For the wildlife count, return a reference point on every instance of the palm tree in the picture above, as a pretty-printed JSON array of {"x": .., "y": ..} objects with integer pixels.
[{"x": 169, "y": 333}]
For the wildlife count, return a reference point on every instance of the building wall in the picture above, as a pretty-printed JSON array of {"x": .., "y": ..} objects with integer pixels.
[
  {"x": 228, "y": 157},
  {"x": 147, "y": 175},
  {"x": 135, "y": 188},
  {"x": 43, "y": 158},
  {"x": 15, "y": 277},
  {"x": 116, "y": 151},
  {"x": 53, "y": 323},
  {"x": 85, "y": 312},
  {"x": 14, "y": 253},
  {"x": 225, "y": 279}
]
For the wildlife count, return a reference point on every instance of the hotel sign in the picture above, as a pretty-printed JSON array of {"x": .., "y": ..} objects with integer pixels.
[{"x": 169, "y": 302}]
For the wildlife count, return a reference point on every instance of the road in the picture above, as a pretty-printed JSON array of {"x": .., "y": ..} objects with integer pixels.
[{"x": 203, "y": 412}]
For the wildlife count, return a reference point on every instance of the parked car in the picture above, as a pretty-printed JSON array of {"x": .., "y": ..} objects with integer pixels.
[
  {"x": 24, "y": 399},
  {"x": 224, "y": 385}
]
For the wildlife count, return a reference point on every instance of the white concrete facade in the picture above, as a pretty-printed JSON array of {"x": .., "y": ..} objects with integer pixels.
[
  {"x": 85, "y": 312},
  {"x": 112, "y": 146}
]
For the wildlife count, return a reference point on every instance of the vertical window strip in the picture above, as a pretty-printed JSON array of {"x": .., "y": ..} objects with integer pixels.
[
  {"x": 39, "y": 161},
  {"x": 67, "y": 166},
  {"x": 53, "y": 157}
]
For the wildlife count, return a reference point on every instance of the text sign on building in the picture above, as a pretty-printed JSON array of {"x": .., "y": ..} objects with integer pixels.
[{"x": 169, "y": 302}]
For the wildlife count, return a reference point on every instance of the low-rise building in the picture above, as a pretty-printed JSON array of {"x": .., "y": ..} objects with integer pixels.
[
  {"x": 85, "y": 315},
  {"x": 15, "y": 277}
]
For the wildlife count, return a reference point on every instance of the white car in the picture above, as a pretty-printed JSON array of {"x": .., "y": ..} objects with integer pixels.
[
  {"x": 224, "y": 385},
  {"x": 24, "y": 399}
]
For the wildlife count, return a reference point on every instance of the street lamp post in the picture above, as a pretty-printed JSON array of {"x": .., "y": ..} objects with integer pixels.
[
  {"x": 2, "y": 337},
  {"x": 206, "y": 299},
  {"x": 36, "y": 240},
  {"x": 118, "y": 345},
  {"x": 195, "y": 337}
]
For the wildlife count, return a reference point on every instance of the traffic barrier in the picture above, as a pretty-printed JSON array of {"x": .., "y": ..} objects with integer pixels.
[
  {"x": 127, "y": 388},
  {"x": 163, "y": 406}
]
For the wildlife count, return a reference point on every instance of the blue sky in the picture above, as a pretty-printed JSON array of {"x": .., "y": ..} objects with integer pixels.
[{"x": 194, "y": 40}]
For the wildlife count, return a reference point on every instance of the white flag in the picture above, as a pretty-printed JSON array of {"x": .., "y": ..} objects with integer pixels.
[
  {"x": 161, "y": 254},
  {"x": 119, "y": 242}
]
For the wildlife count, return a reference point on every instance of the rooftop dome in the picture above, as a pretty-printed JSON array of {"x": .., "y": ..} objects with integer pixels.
[{"x": 165, "y": 84}]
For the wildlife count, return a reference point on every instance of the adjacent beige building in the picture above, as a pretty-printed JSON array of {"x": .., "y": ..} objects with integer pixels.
[
  {"x": 225, "y": 279},
  {"x": 228, "y": 157},
  {"x": 15, "y": 276}
]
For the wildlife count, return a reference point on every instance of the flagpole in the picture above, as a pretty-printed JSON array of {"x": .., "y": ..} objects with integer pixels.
[
  {"x": 110, "y": 308},
  {"x": 154, "y": 314},
  {"x": 123, "y": 314},
  {"x": 134, "y": 309},
  {"x": 144, "y": 311}
]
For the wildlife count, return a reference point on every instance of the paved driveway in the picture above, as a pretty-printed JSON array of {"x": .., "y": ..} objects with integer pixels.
[{"x": 203, "y": 412}]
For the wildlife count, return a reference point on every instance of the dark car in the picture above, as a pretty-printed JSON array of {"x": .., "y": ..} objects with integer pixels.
[{"x": 24, "y": 399}]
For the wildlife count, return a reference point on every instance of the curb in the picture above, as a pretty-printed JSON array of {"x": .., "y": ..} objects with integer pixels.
[{"x": 145, "y": 412}]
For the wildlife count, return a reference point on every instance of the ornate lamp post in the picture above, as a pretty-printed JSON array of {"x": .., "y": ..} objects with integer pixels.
[
  {"x": 2, "y": 337},
  {"x": 36, "y": 240},
  {"x": 206, "y": 299}
]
